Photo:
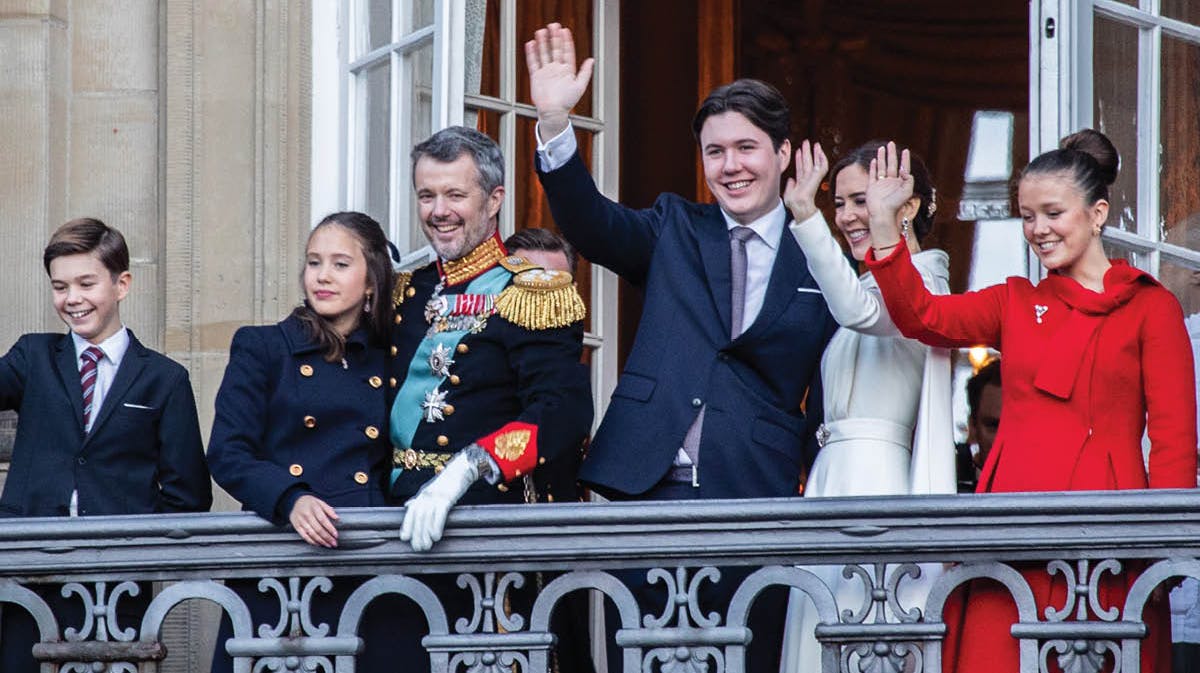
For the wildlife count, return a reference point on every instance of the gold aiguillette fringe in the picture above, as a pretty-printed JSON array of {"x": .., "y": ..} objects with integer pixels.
[{"x": 541, "y": 307}]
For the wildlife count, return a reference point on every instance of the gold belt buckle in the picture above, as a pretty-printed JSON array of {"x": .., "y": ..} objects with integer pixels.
[{"x": 412, "y": 459}]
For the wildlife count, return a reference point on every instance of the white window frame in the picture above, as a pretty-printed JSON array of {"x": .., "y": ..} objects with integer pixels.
[{"x": 1061, "y": 101}]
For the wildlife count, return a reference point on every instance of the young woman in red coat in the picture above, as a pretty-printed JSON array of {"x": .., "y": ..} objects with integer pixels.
[{"x": 1093, "y": 354}]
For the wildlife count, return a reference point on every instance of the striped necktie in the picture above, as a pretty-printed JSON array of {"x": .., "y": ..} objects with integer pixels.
[{"x": 87, "y": 378}]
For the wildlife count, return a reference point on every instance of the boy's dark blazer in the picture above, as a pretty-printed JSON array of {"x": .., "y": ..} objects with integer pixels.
[{"x": 143, "y": 455}]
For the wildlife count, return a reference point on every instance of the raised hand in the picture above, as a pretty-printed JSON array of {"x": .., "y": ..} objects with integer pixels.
[
  {"x": 555, "y": 84},
  {"x": 801, "y": 192},
  {"x": 889, "y": 182},
  {"x": 313, "y": 520}
]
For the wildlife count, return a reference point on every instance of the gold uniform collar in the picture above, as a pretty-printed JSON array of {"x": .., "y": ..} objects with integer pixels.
[{"x": 483, "y": 257}]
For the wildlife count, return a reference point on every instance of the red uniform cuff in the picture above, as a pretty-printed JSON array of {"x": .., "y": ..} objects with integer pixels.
[{"x": 513, "y": 447}]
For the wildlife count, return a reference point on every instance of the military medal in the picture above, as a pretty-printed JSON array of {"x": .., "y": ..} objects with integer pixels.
[
  {"x": 1038, "y": 311},
  {"x": 440, "y": 361},
  {"x": 435, "y": 402}
]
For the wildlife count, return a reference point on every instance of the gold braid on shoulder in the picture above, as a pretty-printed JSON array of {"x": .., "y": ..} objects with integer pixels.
[
  {"x": 541, "y": 299},
  {"x": 400, "y": 291}
]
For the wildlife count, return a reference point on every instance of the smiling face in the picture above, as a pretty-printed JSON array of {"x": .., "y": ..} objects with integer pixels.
[
  {"x": 741, "y": 166},
  {"x": 850, "y": 209},
  {"x": 87, "y": 295},
  {"x": 456, "y": 214},
  {"x": 335, "y": 276},
  {"x": 1061, "y": 228}
]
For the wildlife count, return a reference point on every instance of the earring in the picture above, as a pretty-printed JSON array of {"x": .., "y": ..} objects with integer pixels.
[
  {"x": 904, "y": 228},
  {"x": 367, "y": 303}
]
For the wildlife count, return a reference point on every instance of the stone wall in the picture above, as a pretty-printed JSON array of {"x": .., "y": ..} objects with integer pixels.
[{"x": 183, "y": 123}]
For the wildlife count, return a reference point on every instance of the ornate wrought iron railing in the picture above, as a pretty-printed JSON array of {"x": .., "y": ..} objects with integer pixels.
[{"x": 1078, "y": 535}]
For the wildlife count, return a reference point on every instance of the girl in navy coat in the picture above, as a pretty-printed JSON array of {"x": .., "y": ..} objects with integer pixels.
[{"x": 301, "y": 416}]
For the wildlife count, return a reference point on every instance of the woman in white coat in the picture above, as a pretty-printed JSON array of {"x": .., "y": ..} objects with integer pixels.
[{"x": 888, "y": 424}]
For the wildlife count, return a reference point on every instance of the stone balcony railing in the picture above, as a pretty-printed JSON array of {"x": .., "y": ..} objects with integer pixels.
[{"x": 1078, "y": 535}]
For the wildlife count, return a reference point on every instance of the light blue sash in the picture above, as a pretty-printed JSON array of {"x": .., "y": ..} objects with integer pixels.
[{"x": 407, "y": 412}]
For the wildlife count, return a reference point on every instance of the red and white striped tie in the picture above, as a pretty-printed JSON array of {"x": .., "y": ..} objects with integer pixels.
[{"x": 87, "y": 378}]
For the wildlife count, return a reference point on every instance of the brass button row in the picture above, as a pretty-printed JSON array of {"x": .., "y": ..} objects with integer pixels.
[{"x": 296, "y": 470}]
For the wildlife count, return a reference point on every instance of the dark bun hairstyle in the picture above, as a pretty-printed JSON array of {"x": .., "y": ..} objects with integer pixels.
[
  {"x": 1088, "y": 156},
  {"x": 922, "y": 185}
]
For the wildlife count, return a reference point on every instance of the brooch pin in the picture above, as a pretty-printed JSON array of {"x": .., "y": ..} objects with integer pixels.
[{"x": 1038, "y": 311}]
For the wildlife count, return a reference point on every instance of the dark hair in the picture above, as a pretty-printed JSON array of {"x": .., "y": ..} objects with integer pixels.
[
  {"x": 452, "y": 142},
  {"x": 1088, "y": 156},
  {"x": 380, "y": 279},
  {"x": 88, "y": 235},
  {"x": 922, "y": 184},
  {"x": 755, "y": 100},
  {"x": 988, "y": 375},
  {"x": 536, "y": 238}
]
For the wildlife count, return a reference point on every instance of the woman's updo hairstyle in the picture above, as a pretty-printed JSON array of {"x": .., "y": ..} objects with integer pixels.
[
  {"x": 922, "y": 185},
  {"x": 1088, "y": 156}
]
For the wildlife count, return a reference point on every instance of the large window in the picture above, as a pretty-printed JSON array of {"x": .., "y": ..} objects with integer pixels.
[
  {"x": 1132, "y": 70},
  {"x": 387, "y": 73}
]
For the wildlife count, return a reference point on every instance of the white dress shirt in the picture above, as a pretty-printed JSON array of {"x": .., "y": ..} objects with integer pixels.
[{"x": 114, "y": 348}]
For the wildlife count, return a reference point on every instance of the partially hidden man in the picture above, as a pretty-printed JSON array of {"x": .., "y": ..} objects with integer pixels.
[{"x": 486, "y": 349}]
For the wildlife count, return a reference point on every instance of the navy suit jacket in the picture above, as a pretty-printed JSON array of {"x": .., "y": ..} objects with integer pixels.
[
  {"x": 143, "y": 455},
  {"x": 756, "y": 441}
]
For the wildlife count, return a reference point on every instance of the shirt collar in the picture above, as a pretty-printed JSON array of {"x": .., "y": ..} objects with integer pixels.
[
  {"x": 769, "y": 227},
  {"x": 114, "y": 347}
]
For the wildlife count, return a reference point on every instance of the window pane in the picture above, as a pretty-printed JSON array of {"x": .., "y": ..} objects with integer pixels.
[
  {"x": 487, "y": 121},
  {"x": 419, "y": 72},
  {"x": 1184, "y": 10},
  {"x": 530, "y": 206},
  {"x": 421, "y": 13},
  {"x": 1115, "y": 63},
  {"x": 574, "y": 14},
  {"x": 378, "y": 25},
  {"x": 374, "y": 104},
  {"x": 489, "y": 76},
  {"x": 1184, "y": 282},
  {"x": 1180, "y": 196}
]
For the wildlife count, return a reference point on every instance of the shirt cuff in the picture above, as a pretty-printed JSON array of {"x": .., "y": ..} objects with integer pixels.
[{"x": 557, "y": 151}]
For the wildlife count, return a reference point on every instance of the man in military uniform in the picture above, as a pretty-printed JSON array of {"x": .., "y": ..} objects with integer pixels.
[{"x": 487, "y": 377}]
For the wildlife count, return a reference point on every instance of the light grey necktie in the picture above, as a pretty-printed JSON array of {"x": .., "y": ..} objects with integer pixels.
[
  {"x": 737, "y": 276},
  {"x": 737, "y": 266}
]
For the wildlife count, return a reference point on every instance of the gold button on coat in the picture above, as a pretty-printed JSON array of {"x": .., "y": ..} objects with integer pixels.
[
  {"x": 372, "y": 431},
  {"x": 392, "y": 382},
  {"x": 410, "y": 292},
  {"x": 306, "y": 370},
  {"x": 454, "y": 380},
  {"x": 448, "y": 409},
  {"x": 393, "y": 351},
  {"x": 398, "y": 318},
  {"x": 360, "y": 477},
  {"x": 462, "y": 348},
  {"x": 443, "y": 440},
  {"x": 296, "y": 469},
  {"x": 310, "y": 422},
  {"x": 375, "y": 381}
]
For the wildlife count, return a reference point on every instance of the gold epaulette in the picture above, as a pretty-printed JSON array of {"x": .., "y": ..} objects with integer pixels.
[
  {"x": 518, "y": 264},
  {"x": 401, "y": 290},
  {"x": 541, "y": 299}
]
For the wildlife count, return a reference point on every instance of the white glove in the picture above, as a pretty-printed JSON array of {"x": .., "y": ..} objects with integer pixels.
[{"x": 425, "y": 513}]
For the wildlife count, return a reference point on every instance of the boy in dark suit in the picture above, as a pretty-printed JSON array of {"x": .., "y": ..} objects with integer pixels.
[{"x": 106, "y": 425}]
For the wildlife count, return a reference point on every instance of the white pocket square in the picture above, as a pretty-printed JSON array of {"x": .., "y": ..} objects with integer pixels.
[
  {"x": 131, "y": 405},
  {"x": 808, "y": 289}
]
